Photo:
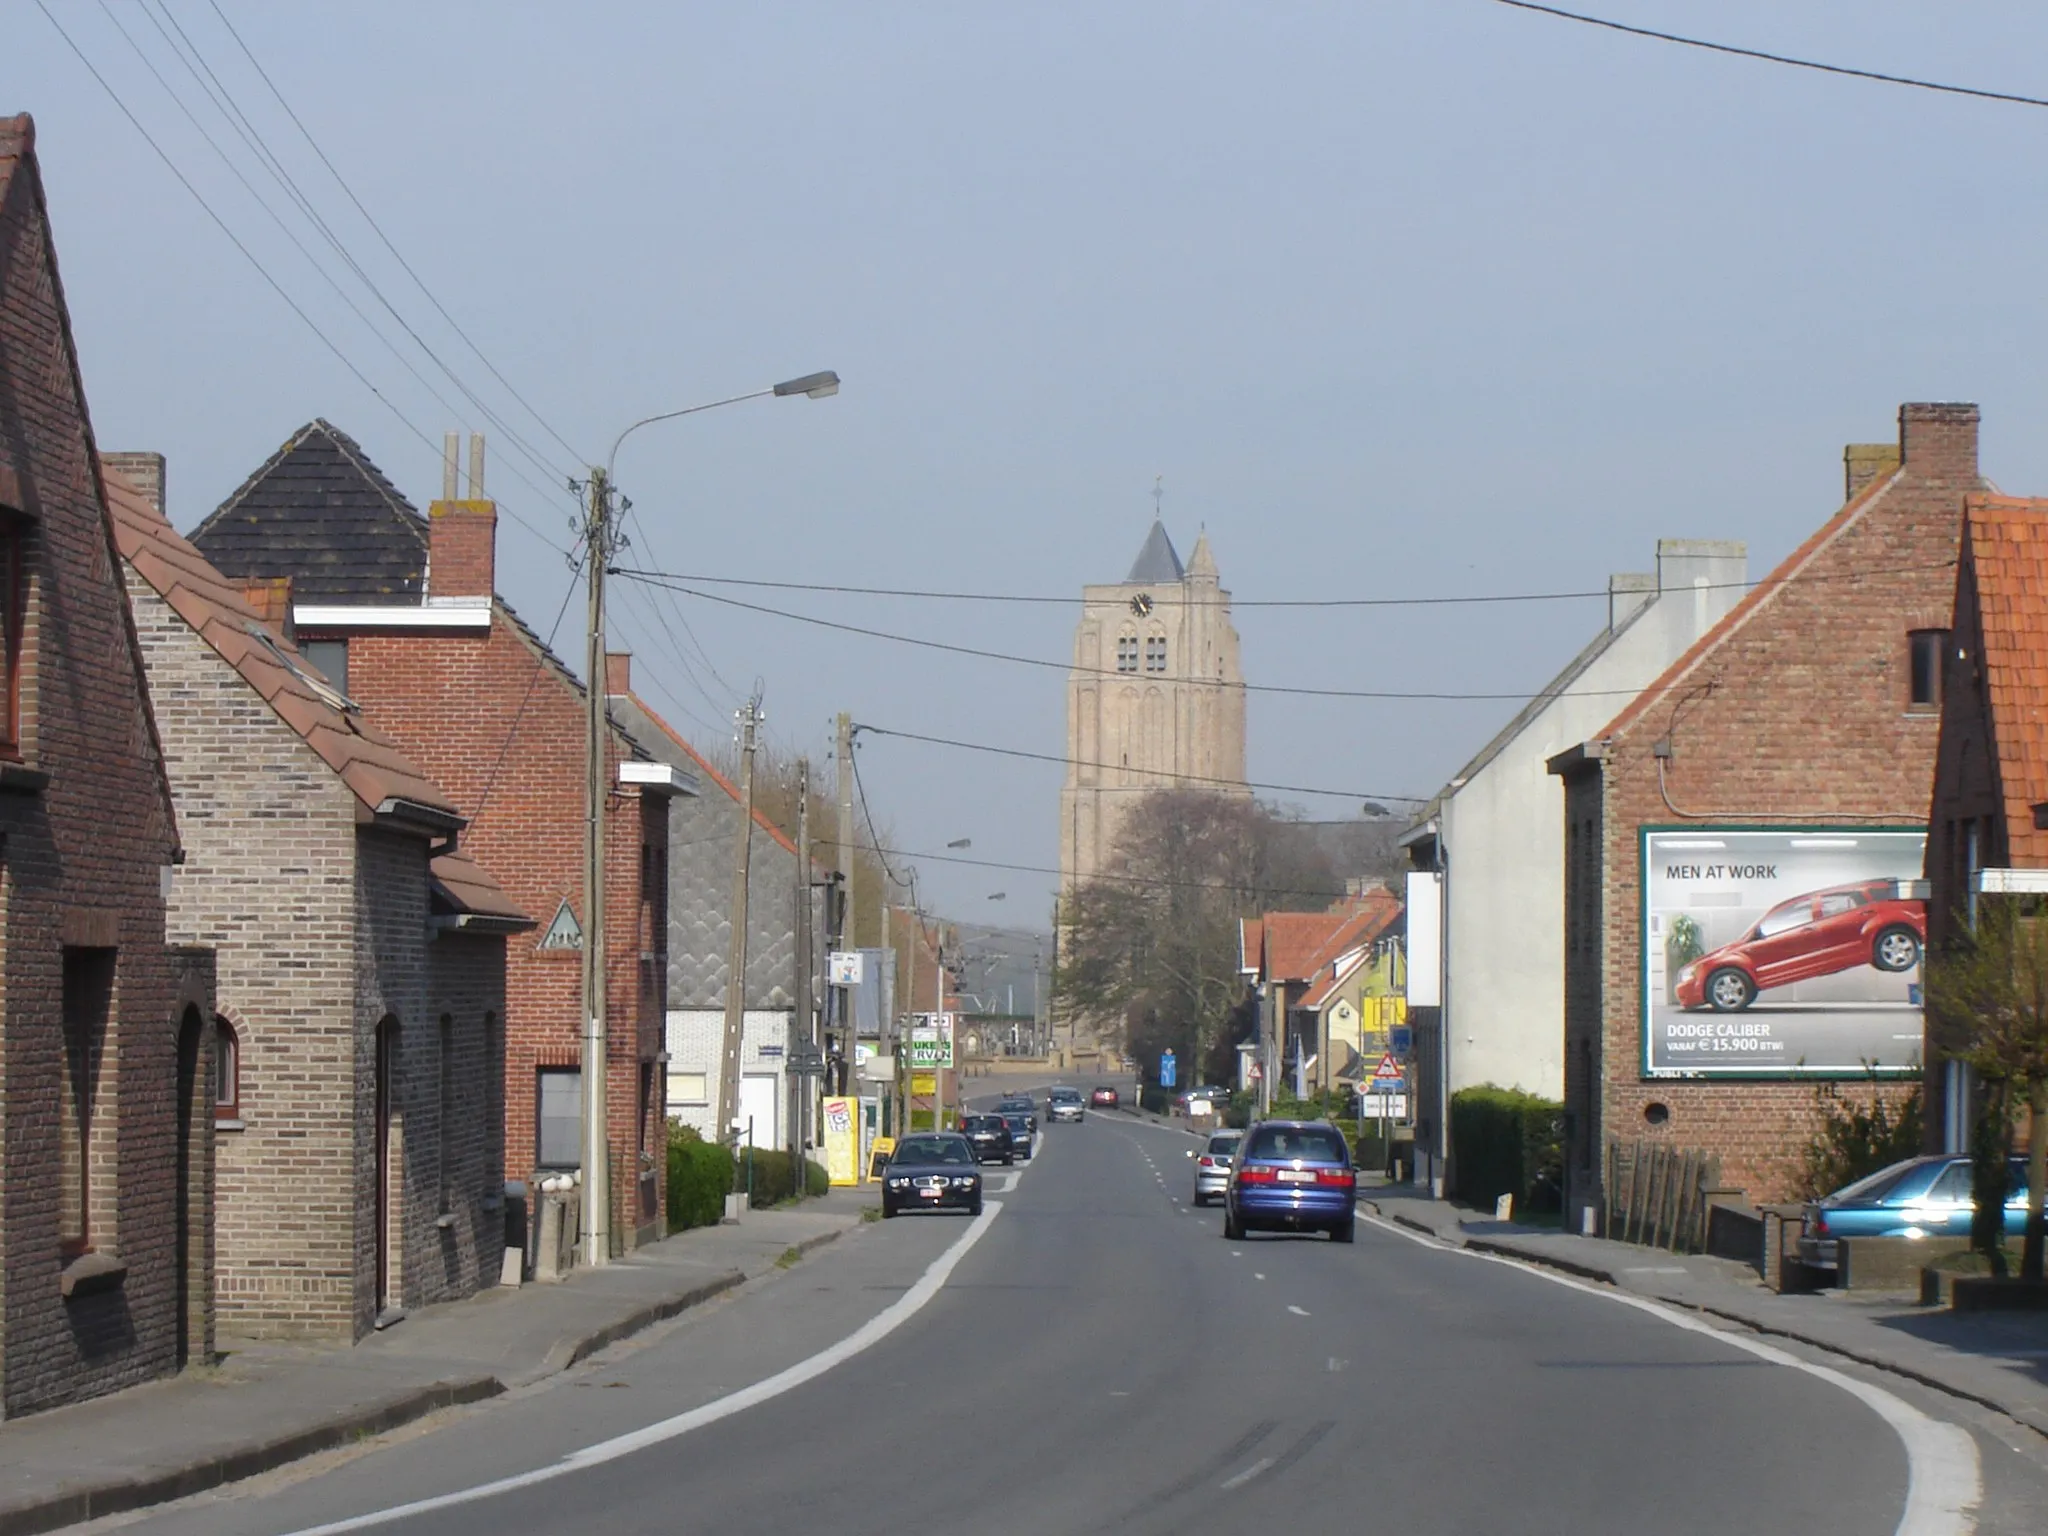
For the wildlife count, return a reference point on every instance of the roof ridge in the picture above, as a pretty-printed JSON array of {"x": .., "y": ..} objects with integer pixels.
[
  {"x": 407, "y": 514},
  {"x": 761, "y": 819}
]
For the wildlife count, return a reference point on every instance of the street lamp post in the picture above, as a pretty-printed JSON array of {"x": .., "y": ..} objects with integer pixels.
[{"x": 600, "y": 541}]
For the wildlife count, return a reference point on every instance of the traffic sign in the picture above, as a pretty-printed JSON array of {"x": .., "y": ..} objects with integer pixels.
[
  {"x": 1402, "y": 1039},
  {"x": 1169, "y": 1069},
  {"x": 1389, "y": 1070}
]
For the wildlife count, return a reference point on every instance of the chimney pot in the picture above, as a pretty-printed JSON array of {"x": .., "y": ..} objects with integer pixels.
[
  {"x": 462, "y": 541},
  {"x": 451, "y": 455},
  {"x": 618, "y": 672},
  {"x": 476, "y": 466}
]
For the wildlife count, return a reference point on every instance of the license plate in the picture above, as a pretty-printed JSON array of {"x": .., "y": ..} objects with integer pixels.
[
  {"x": 1296, "y": 1176},
  {"x": 931, "y": 1194}
]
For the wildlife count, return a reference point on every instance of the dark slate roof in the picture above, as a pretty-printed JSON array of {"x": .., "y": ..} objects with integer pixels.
[
  {"x": 1157, "y": 560},
  {"x": 321, "y": 513}
]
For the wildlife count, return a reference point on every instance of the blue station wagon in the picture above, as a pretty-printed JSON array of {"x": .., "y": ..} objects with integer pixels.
[{"x": 1921, "y": 1197}]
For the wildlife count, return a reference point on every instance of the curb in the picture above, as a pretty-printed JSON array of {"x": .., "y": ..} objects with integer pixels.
[
  {"x": 573, "y": 1352},
  {"x": 64, "y": 1509}
]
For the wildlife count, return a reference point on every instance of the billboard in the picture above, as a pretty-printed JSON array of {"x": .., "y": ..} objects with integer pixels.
[{"x": 1782, "y": 952}]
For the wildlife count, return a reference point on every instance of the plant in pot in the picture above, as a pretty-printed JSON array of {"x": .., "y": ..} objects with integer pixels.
[{"x": 1683, "y": 944}]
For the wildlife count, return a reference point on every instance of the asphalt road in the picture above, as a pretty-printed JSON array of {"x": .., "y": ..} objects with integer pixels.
[{"x": 1101, "y": 1359}]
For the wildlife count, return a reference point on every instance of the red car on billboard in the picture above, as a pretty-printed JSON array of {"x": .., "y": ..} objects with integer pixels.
[{"x": 1818, "y": 934}]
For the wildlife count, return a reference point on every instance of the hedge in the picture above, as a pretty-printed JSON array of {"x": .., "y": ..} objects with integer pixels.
[
  {"x": 774, "y": 1180},
  {"x": 699, "y": 1179},
  {"x": 1507, "y": 1142}
]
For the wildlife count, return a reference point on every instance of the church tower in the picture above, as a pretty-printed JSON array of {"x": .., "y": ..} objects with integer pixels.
[{"x": 1155, "y": 700}]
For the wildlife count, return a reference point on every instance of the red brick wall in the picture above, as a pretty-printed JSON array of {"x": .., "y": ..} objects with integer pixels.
[
  {"x": 81, "y": 860},
  {"x": 501, "y": 731},
  {"x": 1795, "y": 711}
]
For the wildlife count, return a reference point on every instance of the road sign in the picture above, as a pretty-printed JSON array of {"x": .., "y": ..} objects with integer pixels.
[
  {"x": 1389, "y": 1070},
  {"x": 925, "y": 1083},
  {"x": 1402, "y": 1039},
  {"x": 846, "y": 967},
  {"x": 805, "y": 1061},
  {"x": 1380, "y": 1085},
  {"x": 1169, "y": 1069}
]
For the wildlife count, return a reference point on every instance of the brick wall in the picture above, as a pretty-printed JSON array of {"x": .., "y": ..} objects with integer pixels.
[
  {"x": 81, "y": 860},
  {"x": 1793, "y": 711},
  {"x": 501, "y": 730}
]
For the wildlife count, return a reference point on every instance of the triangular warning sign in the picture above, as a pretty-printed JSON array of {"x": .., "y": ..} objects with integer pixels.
[
  {"x": 564, "y": 932},
  {"x": 1388, "y": 1068}
]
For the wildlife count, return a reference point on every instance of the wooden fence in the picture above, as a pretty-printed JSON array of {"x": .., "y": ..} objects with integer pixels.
[{"x": 1659, "y": 1194}]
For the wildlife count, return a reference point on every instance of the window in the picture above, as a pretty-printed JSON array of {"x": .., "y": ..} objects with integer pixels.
[
  {"x": 331, "y": 657},
  {"x": 1155, "y": 653},
  {"x": 1794, "y": 914},
  {"x": 13, "y": 599},
  {"x": 227, "y": 1073},
  {"x": 559, "y": 1143},
  {"x": 1835, "y": 903},
  {"x": 1924, "y": 648},
  {"x": 1127, "y": 653},
  {"x": 87, "y": 1145},
  {"x": 689, "y": 1087}
]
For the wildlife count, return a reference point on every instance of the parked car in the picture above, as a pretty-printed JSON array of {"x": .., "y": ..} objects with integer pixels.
[
  {"x": 990, "y": 1138},
  {"x": 1817, "y": 934},
  {"x": 1212, "y": 1165},
  {"x": 932, "y": 1171},
  {"x": 1921, "y": 1197},
  {"x": 1023, "y": 1132},
  {"x": 1203, "y": 1099},
  {"x": 1291, "y": 1175},
  {"x": 1104, "y": 1097},
  {"x": 1063, "y": 1104}
]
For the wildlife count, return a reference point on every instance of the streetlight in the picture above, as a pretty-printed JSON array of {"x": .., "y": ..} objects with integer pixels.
[{"x": 599, "y": 545}]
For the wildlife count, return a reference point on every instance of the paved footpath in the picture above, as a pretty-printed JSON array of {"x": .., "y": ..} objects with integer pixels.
[
  {"x": 265, "y": 1405},
  {"x": 1997, "y": 1360}
]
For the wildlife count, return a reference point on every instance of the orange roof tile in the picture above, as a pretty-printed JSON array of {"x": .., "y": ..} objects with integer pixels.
[
  {"x": 2006, "y": 544},
  {"x": 1297, "y": 942}
]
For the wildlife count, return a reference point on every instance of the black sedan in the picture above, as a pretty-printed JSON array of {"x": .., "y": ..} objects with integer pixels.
[
  {"x": 1023, "y": 1131},
  {"x": 989, "y": 1136},
  {"x": 932, "y": 1171}
]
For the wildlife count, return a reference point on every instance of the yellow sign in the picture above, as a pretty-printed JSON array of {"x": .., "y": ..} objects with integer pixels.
[
  {"x": 926, "y": 1083},
  {"x": 842, "y": 1140},
  {"x": 879, "y": 1153}
]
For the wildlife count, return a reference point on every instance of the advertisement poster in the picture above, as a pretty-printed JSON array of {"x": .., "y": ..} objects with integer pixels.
[
  {"x": 1782, "y": 952},
  {"x": 842, "y": 1150}
]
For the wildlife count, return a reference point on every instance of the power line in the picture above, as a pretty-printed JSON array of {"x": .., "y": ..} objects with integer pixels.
[
  {"x": 1177, "y": 778},
  {"x": 874, "y": 838},
  {"x": 1774, "y": 58},
  {"x": 1324, "y": 894},
  {"x": 1131, "y": 677},
  {"x": 1046, "y": 600}
]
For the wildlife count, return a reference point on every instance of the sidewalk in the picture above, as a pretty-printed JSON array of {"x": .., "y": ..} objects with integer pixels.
[
  {"x": 1998, "y": 1360},
  {"x": 268, "y": 1404}
]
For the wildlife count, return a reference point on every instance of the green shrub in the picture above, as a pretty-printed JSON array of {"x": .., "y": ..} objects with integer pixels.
[
  {"x": 1506, "y": 1142},
  {"x": 1857, "y": 1135},
  {"x": 699, "y": 1179},
  {"x": 774, "y": 1177}
]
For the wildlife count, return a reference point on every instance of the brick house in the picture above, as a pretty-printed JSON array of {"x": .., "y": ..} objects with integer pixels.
[
  {"x": 399, "y": 612},
  {"x": 1285, "y": 957},
  {"x": 1803, "y": 723},
  {"x": 702, "y": 830},
  {"x": 1988, "y": 831},
  {"x": 359, "y": 1121},
  {"x": 106, "y": 1142}
]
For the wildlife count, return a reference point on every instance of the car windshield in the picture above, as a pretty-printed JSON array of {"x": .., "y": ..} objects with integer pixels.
[
  {"x": 1309, "y": 1143},
  {"x": 1222, "y": 1146},
  {"x": 1877, "y": 1185},
  {"x": 976, "y": 1124},
  {"x": 1065, "y": 1095},
  {"x": 932, "y": 1149}
]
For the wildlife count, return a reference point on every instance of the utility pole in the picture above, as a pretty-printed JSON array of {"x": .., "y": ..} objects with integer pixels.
[
  {"x": 597, "y": 1170},
  {"x": 806, "y": 1026},
  {"x": 748, "y": 716},
  {"x": 847, "y": 935}
]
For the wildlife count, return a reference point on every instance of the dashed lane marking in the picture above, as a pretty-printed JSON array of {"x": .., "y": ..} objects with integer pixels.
[
  {"x": 1297, "y": 1311},
  {"x": 1248, "y": 1473}
]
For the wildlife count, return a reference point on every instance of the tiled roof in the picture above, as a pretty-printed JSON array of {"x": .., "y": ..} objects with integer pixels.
[
  {"x": 1157, "y": 560},
  {"x": 320, "y": 512},
  {"x": 2007, "y": 547},
  {"x": 364, "y": 757},
  {"x": 462, "y": 885},
  {"x": 665, "y": 735},
  {"x": 1371, "y": 917}
]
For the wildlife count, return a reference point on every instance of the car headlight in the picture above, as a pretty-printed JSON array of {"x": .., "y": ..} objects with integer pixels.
[
  {"x": 964, "y": 1181},
  {"x": 899, "y": 1183}
]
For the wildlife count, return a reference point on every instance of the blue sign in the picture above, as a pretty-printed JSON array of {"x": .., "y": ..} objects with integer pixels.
[
  {"x": 1385, "y": 1085},
  {"x": 1401, "y": 1039},
  {"x": 1168, "y": 1069}
]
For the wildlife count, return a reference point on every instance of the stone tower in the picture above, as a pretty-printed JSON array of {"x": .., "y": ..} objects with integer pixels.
[{"x": 1155, "y": 700}]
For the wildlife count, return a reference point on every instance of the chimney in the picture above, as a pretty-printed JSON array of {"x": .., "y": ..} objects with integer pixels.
[
  {"x": 1939, "y": 441},
  {"x": 618, "y": 673},
  {"x": 1627, "y": 592},
  {"x": 462, "y": 536},
  {"x": 271, "y": 597},
  {"x": 144, "y": 471},
  {"x": 1865, "y": 462}
]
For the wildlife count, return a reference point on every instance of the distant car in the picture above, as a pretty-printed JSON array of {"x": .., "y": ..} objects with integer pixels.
[
  {"x": 1818, "y": 934},
  {"x": 1212, "y": 1165},
  {"x": 1023, "y": 1131},
  {"x": 1291, "y": 1175},
  {"x": 1104, "y": 1097},
  {"x": 1204, "y": 1099},
  {"x": 932, "y": 1171},
  {"x": 1015, "y": 1103},
  {"x": 1063, "y": 1104},
  {"x": 990, "y": 1138},
  {"x": 1921, "y": 1197}
]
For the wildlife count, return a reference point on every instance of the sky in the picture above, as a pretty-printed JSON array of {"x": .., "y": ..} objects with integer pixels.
[{"x": 1397, "y": 297}]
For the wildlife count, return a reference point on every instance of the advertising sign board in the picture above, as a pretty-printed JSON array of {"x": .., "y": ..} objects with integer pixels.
[
  {"x": 847, "y": 967},
  {"x": 1782, "y": 952},
  {"x": 931, "y": 1040},
  {"x": 842, "y": 1148}
]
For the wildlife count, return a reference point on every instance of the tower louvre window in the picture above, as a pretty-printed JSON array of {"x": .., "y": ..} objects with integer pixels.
[
  {"x": 1127, "y": 653},
  {"x": 1155, "y": 653}
]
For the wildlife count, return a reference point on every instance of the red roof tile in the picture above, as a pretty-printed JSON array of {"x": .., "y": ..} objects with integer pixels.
[{"x": 2006, "y": 543}]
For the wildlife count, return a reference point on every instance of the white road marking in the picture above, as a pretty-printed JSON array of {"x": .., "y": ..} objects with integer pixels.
[
  {"x": 1297, "y": 1311},
  {"x": 870, "y": 1333},
  {"x": 1337, "y": 1365},
  {"x": 1248, "y": 1473},
  {"x": 1943, "y": 1478},
  {"x": 1237, "y": 1253},
  {"x": 1257, "y": 1276}
]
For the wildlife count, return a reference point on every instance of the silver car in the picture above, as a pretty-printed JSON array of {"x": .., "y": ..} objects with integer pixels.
[{"x": 1212, "y": 1165}]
